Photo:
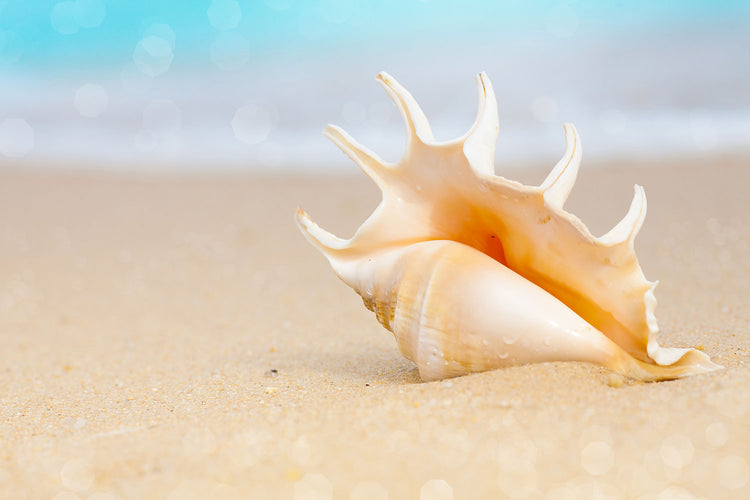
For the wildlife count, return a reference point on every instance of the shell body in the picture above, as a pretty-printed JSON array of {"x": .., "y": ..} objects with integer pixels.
[{"x": 472, "y": 272}]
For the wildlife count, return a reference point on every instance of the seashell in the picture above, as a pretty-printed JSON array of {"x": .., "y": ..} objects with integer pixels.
[{"x": 473, "y": 272}]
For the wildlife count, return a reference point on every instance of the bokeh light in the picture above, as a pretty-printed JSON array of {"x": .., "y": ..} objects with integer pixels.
[
  {"x": 91, "y": 100},
  {"x": 253, "y": 123},
  {"x": 717, "y": 434},
  {"x": 63, "y": 18},
  {"x": 104, "y": 495},
  {"x": 89, "y": 13},
  {"x": 676, "y": 451},
  {"x": 66, "y": 495},
  {"x": 68, "y": 17},
  {"x": 436, "y": 489},
  {"x": 77, "y": 474},
  {"x": 518, "y": 476},
  {"x": 160, "y": 132},
  {"x": 163, "y": 31},
  {"x": 561, "y": 492},
  {"x": 230, "y": 51},
  {"x": 313, "y": 487},
  {"x": 300, "y": 452},
  {"x": 245, "y": 449},
  {"x": 675, "y": 493},
  {"x": 734, "y": 472},
  {"x": 369, "y": 490},
  {"x": 16, "y": 138},
  {"x": 153, "y": 55},
  {"x": 224, "y": 14},
  {"x": 597, "y": 458}
]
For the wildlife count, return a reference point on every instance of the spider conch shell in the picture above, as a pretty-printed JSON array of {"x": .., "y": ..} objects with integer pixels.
[{"x": 472, "y": 271}]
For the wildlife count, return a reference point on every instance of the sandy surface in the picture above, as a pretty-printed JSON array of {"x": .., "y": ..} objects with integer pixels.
[{"x": 140, "y": 319}]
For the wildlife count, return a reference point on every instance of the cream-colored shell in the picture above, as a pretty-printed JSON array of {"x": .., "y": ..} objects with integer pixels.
[{"x": 472, "y": 271}]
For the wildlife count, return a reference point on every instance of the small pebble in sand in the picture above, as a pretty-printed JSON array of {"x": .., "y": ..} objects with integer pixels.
[
  {"x": 272, "y": 390},
  {"x": 292, "y": 474},
  {"x": 273, "y": 372},
  {"x": 615, "y": 380}
]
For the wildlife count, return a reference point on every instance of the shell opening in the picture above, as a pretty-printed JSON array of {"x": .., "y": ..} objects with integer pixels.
[{"x": 494, "y": 248}]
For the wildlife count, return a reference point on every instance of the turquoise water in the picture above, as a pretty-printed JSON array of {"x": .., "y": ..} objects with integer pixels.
[
  {"x": 32, "y": 40},
  {"x": 249, "y": 84}
]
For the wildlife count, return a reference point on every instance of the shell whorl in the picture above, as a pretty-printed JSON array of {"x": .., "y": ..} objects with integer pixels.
[{"x": 394, "y": 284}]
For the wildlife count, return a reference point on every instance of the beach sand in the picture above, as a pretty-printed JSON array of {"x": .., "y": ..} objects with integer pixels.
[{"x": 141, "y": 319}]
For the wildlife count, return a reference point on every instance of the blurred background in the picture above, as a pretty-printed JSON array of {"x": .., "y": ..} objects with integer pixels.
[{"x": 233, "y": 85}]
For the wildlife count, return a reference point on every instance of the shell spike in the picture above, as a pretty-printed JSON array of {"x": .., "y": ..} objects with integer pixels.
[
  {"x": 560, "y": 180},
  {"x": 479, "y": 146},
  {"x": 417, "y": 126},
  {"x": 627, "y": 229},
  {"x": 321, "y": 239},
  {"x": 368, "y": 161}
]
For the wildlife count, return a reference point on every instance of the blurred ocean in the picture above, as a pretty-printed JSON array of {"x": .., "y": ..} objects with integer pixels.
[{"x": 235, "y": 85}]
